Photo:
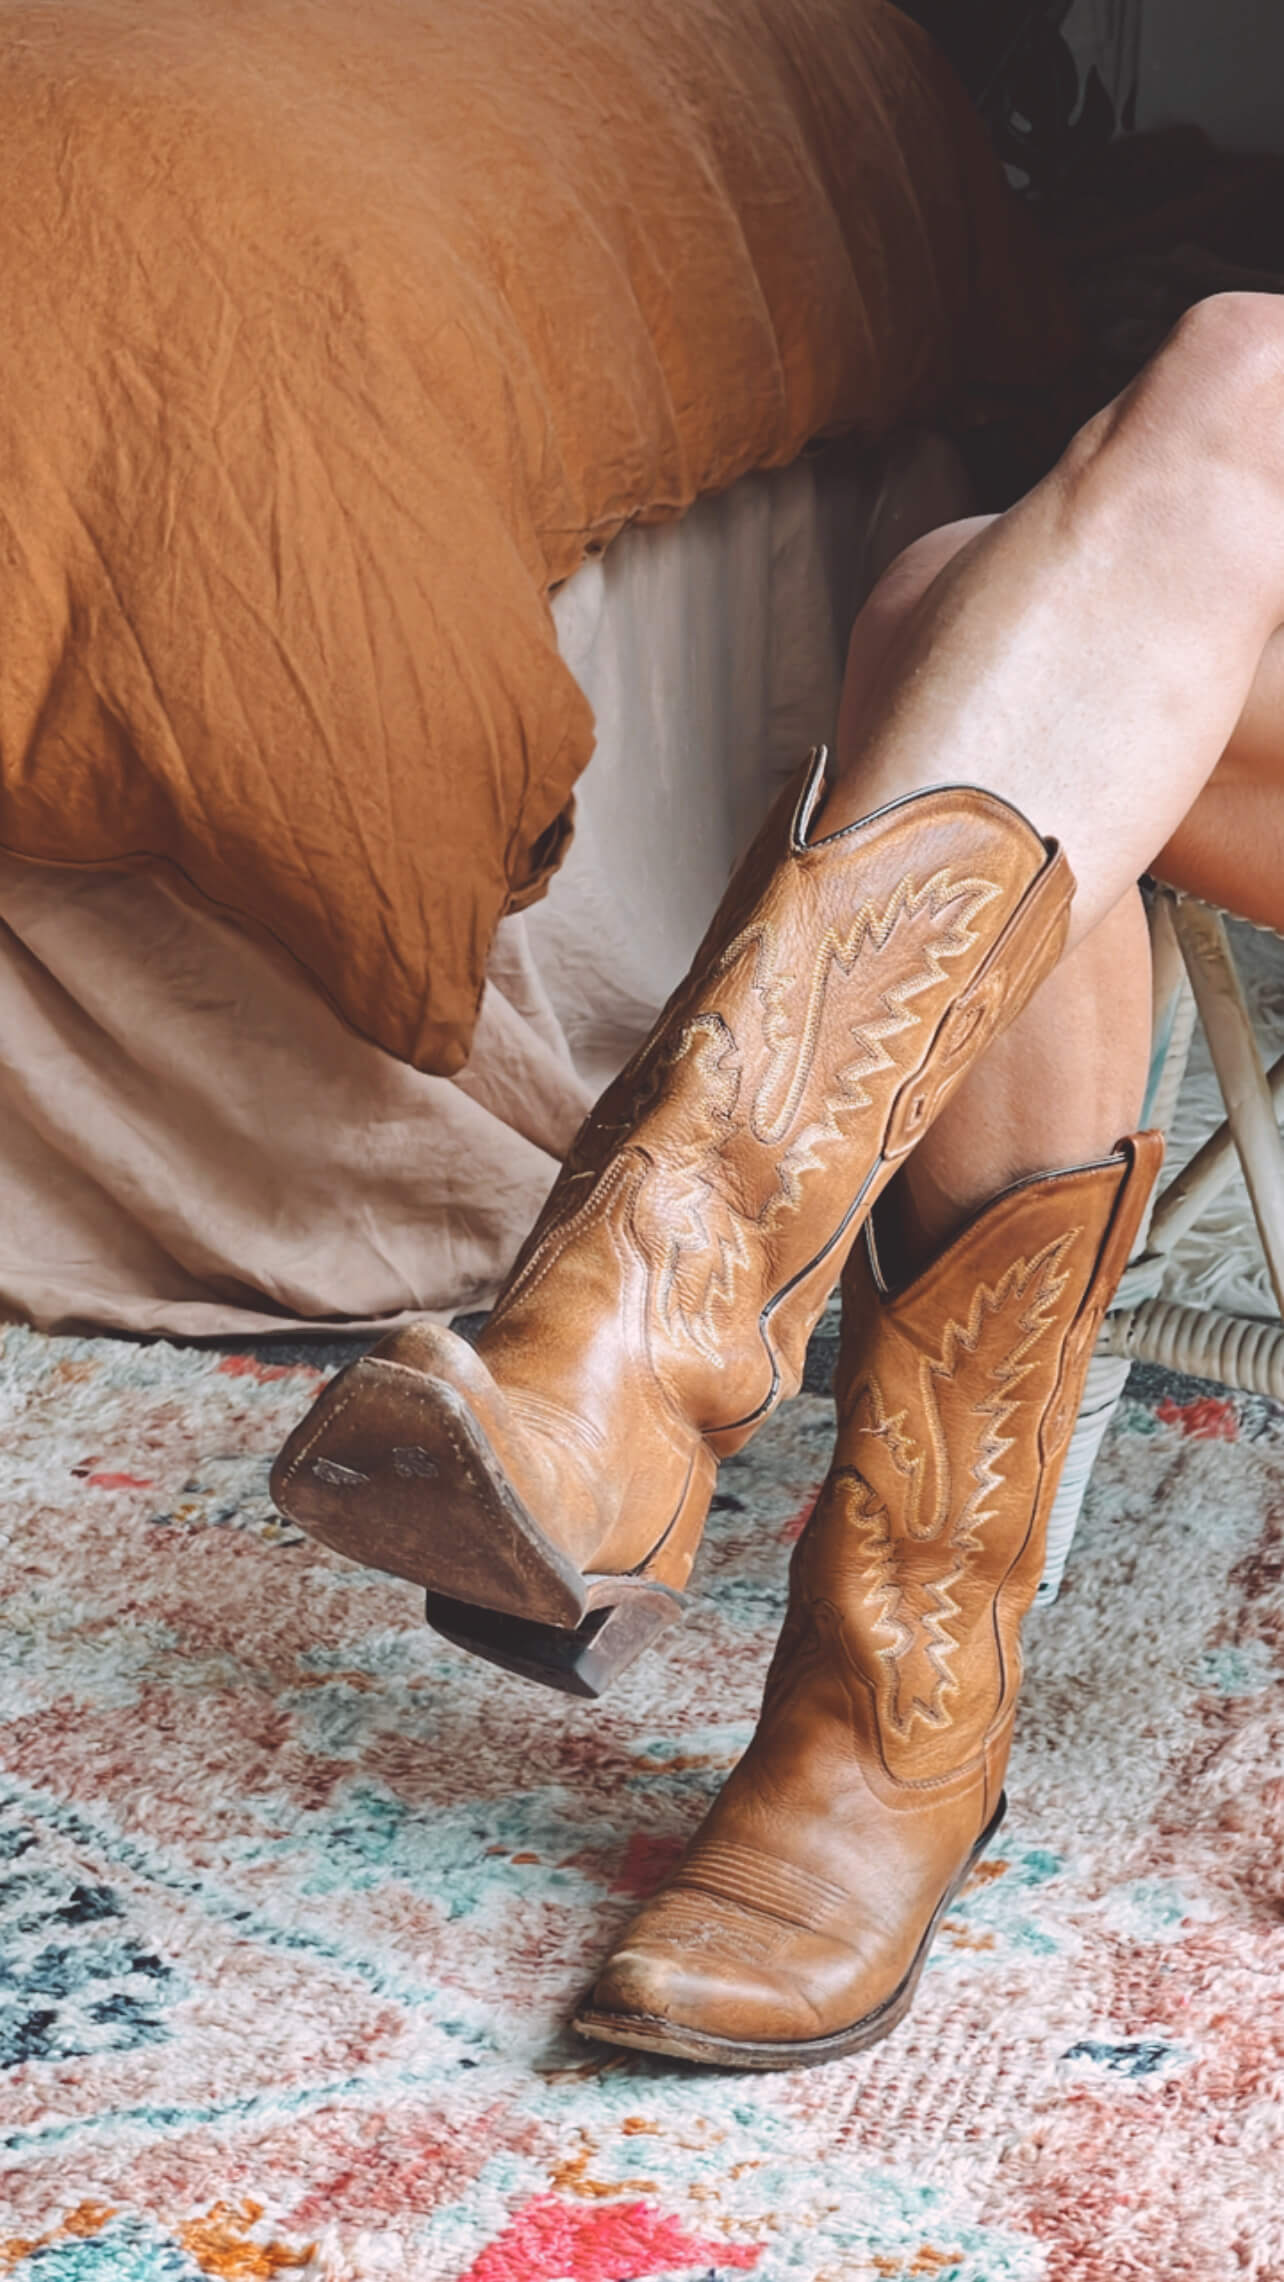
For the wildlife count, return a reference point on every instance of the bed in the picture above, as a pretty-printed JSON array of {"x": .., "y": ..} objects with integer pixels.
[{"x": 452, "y": 389}]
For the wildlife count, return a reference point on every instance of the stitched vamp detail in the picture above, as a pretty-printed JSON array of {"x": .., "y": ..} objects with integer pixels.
[
  {"x": 691, "y": 1924},
  {"x": 760, "y": 1883},
  {"x": 773, "y": 1095}
]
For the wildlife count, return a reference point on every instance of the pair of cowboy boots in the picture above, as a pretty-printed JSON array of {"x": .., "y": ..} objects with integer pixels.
[{"x": 549, "y": 1487}]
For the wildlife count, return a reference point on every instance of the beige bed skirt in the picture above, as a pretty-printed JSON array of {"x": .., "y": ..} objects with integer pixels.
[{"x": 192, "y": 1142}]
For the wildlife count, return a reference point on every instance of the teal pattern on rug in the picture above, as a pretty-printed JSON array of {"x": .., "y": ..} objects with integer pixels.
[{"x": 295, "y": 1901}]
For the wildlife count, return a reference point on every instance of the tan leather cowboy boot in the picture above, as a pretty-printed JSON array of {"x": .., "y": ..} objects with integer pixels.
[
  {"x": 549, "y": 1488},
  {"x": 798, "y": 1923}
]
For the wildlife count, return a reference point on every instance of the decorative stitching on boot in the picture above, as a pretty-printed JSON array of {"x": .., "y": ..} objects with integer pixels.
[
  {"x": 918, "y": 1618},
  {"x": 760, "y": 1882},
  {"x": 705, "y": 1238}
]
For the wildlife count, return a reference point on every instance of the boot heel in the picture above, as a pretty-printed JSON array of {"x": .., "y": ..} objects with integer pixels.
[
  {"x": 625, "y": 1614},
  {"x": 580, "y": 1663}
]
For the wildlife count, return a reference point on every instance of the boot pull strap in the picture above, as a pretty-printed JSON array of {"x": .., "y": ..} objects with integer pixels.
[{"x": 1145, "y": 1155}]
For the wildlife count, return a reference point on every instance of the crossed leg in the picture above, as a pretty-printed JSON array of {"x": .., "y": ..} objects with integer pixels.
[
  {"x": 1092, "y": 655},
  {"x": 1108, "y": 656}
]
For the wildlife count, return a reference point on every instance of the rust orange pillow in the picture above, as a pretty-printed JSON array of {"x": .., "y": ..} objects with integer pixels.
[{"x": 333, "y": 337}]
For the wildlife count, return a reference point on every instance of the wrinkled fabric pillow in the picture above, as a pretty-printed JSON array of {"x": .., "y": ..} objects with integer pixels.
[{"x": 335, "y": 335}]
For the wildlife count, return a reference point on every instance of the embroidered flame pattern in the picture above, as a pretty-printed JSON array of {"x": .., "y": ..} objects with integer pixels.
[
  {"x": 737, "y": 1154},
  {"x": 920, "y": 1518},
  {"x": 752, "y": 1084}
]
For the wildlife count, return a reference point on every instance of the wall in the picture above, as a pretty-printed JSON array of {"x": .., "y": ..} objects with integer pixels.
[
  {"x": 1105, "y": 36},
  {"x": 1219, "y": 62}
]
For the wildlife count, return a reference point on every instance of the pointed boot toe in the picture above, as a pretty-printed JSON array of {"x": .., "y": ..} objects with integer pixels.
[{"x": 700, "y": 1979}]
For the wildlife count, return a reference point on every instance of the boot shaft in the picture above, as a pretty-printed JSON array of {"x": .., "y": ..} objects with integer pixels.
[
  {"x": 843, "y": 987},
  {"x": 956, "y": 1396}
]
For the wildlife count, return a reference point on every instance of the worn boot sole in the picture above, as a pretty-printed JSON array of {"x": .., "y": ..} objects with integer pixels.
[
  {"x": 441, "y": 1512},
  {"x": 643, "y": 2032}
]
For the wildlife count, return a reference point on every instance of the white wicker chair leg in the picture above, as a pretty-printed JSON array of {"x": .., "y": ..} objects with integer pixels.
[
  {"x": 1250, "y": 1111},
  {"x": 1198, "y": 1184},
  {"x": 1105, "y": 1382},
  {"x": 1233, "y": 1351}
]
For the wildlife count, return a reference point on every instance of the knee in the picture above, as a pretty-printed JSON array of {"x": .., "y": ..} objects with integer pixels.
[
  {"x": 1232, "y": 346},
  {"x": 906, "y": 580},
  {"x": 1193, "y": 453},
  {"x": 1227, "y": 358},
  {"x": 1212, "y": 397},
  {"x": 890, "y": 609}
]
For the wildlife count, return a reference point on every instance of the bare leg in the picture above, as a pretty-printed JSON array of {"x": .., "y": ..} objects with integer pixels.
[
  {"x": 1090, "y": 654},
  {"x": 1230, "y": 849},
  {"x": 1067, "y": 1078}
]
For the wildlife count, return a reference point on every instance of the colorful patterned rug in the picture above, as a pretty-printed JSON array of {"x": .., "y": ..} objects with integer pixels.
[{"x": 294, "y": 1901}]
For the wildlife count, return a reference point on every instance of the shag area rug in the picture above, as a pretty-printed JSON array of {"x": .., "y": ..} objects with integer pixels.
[{"x": 295, "y": 1901}]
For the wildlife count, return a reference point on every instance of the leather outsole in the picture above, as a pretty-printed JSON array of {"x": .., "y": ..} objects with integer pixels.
[
  {"x": 440, "y": 1511},
  {"x": 433, "y": 1505}
]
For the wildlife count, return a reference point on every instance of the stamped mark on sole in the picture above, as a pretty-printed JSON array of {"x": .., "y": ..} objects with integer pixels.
[
  {"x": 414, "y": 1464},
  {"x": 337, "y": 1477}
]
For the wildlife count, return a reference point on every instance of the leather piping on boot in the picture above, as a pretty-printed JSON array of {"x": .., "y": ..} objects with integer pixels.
[
  {"x": 1014, "y": 1188},
  {"x": 814, "y": 782}
]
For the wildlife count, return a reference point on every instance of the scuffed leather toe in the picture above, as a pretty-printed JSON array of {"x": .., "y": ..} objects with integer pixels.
[{"x": 690, "y": 1965}]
